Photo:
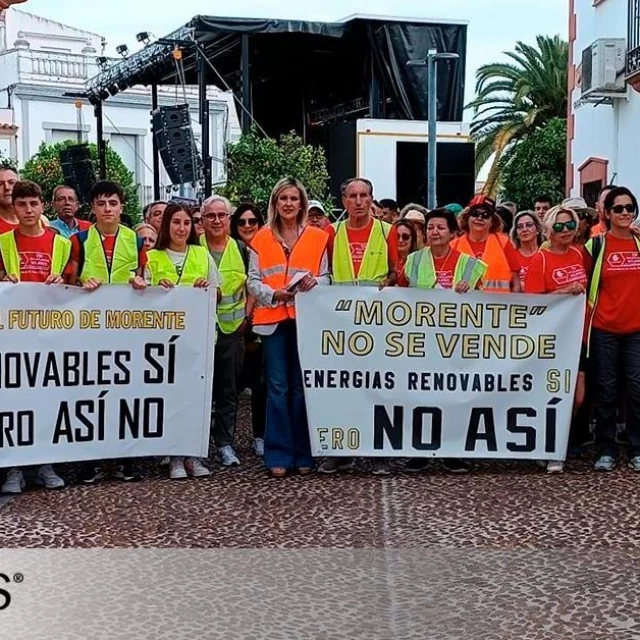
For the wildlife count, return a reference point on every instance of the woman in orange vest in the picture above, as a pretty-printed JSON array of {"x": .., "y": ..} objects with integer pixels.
[
  {"x": 287, "y": 256},
  {"x": 483, "y": 239}
]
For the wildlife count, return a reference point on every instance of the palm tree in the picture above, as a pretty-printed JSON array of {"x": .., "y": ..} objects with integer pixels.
[{"x": 515, "y": 98}]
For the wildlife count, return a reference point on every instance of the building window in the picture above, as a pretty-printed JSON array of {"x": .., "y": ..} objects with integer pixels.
[
  {"x": 633, "y": 38},
  {"x": 126, "y": 146}
]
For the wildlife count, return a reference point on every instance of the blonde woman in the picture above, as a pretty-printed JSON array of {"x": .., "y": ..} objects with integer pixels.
[
  {"x": 287, "y": 256},
  {"x": 148, "y": 234},
  {"x": 558, "y": 268}
]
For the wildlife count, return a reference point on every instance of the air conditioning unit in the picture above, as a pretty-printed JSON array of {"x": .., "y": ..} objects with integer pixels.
[{"x": 603, "y": 67}]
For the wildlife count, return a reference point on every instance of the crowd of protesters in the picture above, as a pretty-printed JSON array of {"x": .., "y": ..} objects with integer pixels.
[{"x": 257, "y": 267}]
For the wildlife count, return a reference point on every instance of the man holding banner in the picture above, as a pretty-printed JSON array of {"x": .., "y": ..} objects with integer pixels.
[
  {"x": 363, "y": 252},
  {"x": 32, "y": 253}
]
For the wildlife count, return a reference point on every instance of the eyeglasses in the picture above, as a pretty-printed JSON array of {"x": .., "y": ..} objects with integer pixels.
[
  {"x": 404, "y": 236},
  {"x": 315, "y": 214},
  {"x": 559, "y": 227},
  {"x": 620, "y": 208},
  {"x": 247, "y": 222},
  {"x": 197, "y": 219},
  {"x": 525, "y": 225},
  {"x": 478, "y": 213},
  {"x": 215, "y": 216}
]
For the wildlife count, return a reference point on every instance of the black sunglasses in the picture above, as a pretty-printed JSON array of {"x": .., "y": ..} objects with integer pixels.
[
  {"x": 559, "y": 227},
  {"x": 247, "y": 222},
  {"x": 620, "y": 208},
  {"x": 478, "y": 213},
  {"x": 404, "y": 236}
]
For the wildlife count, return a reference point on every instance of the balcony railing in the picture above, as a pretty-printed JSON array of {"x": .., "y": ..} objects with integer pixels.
[{"x": 633, "y": 38}]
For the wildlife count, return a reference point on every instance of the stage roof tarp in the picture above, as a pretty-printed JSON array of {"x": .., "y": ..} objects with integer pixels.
[{"x": 306, "y": 66}]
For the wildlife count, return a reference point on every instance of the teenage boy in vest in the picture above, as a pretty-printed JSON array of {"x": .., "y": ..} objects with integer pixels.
[
  {"x": 364, "y": 252},
  {"x": 231, "y": 259},
  {"x": 32, "y": 253},
  {"x": 108, "y": 253}
]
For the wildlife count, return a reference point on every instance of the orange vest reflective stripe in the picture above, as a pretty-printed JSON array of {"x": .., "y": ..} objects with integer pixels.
[
  {"x": 497, "y": 279},
  {"x": 276, "y": 270}
]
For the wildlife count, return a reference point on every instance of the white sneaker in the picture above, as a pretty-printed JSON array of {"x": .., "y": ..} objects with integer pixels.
[
  {"x": 228, "y": 456},
  {"x": 605, "y": 463},
  {"x": 164, "y": 462},
  {"x": 555, "y": 466},
  {"x": 258, "y": 447},
  {"x": 195, "y": 468},
  {"x": 14, "y": 483},
  {"x": 176, "y": 469},
  {"x": 48, "y": 478}
]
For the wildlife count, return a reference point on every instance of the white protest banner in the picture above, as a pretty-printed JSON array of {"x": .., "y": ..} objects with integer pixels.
[
  {"x": 106, "y": 374},
  {"x": 404, "y": 372}
]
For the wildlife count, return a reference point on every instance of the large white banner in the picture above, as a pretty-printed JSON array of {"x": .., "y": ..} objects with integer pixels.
[
  {"x": 404, "y": 372},
  {"x": 105, "y": 374}
]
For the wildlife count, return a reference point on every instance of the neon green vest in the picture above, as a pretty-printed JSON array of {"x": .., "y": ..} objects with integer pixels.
[
  {"x": 375, "y": 262},
  {"x": 594, "y": 285},
  {"x": 11, "y": 259},
  {"x": 124, "y": 262},
  {"x": 196, "y": 266},
  {"x": 420, "y": 270},
  {"x": 231, "y": 308}
]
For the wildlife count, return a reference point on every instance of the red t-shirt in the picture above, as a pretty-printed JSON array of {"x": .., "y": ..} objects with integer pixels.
[
  {"x": 524, "y": 262},
  {"x": 550, "y": 271},
  {"x": 445, "y": 268},
  {"x": 510, "y": 252},
  {"x": 6, "y": 226},
  {"x": 358, "y": 239},
  {"x": 617, "y": 307},
  {"x": 35, "y": 256},
  {"x": 108, "y": 244}
]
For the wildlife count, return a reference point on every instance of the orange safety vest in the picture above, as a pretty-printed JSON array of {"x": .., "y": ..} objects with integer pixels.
[
  {"x": 276, "y": 270},
  {"x": 497, "y": 279}
]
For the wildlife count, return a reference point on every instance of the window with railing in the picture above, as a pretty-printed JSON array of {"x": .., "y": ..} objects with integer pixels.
[{"x": 633, "y": 38}]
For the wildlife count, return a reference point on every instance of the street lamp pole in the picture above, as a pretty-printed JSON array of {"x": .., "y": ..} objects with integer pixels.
[{"x": 431, "y": 63}]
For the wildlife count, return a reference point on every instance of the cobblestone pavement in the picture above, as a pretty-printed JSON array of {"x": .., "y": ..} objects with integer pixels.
[{"x": 506, "y": 552}]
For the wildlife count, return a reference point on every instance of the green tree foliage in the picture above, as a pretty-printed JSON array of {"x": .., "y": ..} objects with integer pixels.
[
  {"x": 517, "y": 97},
  {"x": 6, "y": 161},
  {"x": 537, "y": 165},
  {"x": 256, "y": 163},
  {"x": 45, "y": 169}
]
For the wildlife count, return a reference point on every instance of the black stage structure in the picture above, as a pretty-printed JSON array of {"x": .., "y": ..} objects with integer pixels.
[{"x": 290, "y": 75}]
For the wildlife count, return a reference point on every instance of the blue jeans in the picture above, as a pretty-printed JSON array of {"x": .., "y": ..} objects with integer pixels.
[
  {"x": 608, "y": 350},
  {"x": 286, "y": 439}
]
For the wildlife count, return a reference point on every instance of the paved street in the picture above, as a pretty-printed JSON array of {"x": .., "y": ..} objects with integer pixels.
[{"x": 506, "y": 552}]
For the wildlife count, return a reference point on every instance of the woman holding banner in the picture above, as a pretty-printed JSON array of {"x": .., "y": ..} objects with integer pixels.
[
  {"x": 613, "y": 260},
  {"x": 407, "y": 242},
  {"x": 483, "y": 239},
  {"x": 440, "y": 266},
  {"x": 287, "y": 256},
  {"x": 527, "y": 237},
  {"x": 558, "y": 268},
  {"x": 179, "y": 259}
]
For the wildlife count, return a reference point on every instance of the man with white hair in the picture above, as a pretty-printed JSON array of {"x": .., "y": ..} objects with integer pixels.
[{"x": 232, "y": 260}]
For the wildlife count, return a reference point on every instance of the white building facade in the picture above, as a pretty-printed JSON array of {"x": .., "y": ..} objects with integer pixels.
[
  {"x": 42, "y": 62},
  {"x": 604, "y": 96}
]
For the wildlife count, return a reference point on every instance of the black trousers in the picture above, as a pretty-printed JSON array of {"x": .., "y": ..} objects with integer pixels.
[
  {"x": 253, "y": 378},
  {"x": 229, "y": 355},
  {"x": 608, "y": 352}
]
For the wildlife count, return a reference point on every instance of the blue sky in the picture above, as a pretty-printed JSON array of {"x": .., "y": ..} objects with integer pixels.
[{"x": 494, "y": 25}]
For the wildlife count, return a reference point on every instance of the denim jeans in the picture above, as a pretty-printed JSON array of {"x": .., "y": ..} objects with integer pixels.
[
  {"x": 608, "y": 350},
  {"x": 286, "y": 440}
]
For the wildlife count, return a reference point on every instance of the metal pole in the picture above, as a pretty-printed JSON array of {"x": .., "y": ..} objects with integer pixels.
[
  {"x": 246, "y": 85},
  {"x": 154, "y": 146},
  {"x": 432, "y": 198},
  {"x": 204, "y": 122},
  {"x": 102, "y": 150}
]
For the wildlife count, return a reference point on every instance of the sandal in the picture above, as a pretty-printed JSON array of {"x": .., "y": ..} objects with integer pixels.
[{"x": 278, "y": 472}]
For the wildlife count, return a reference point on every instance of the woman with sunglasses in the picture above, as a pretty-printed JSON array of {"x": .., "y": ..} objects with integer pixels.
[
  {"x": 439, "y": 266},
  {"x": 483, "y": 239},
  {"x": 407, "y": 242},
  {"x": 179, "y": 260},
  {"x": 558, "y": 268},
  {"x": 526, "y": 236},
  {"x": 613, "y": 260},
  {"x": 246, "y": 221},
  {"x": 196, "y": 216}
]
